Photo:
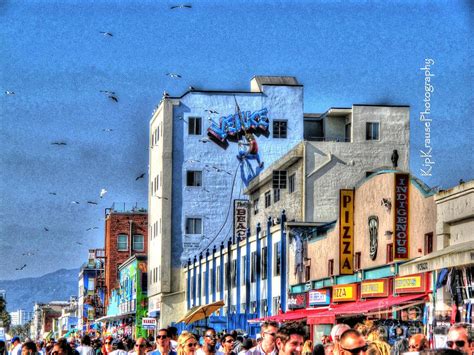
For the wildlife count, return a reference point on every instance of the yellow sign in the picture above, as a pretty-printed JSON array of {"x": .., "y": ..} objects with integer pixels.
[
  {"x": 344, "y": 293},
  {"x": 346, "y": 232},
  {"x": 376, "y": 288},
  {"x": 412, "y": 283}
]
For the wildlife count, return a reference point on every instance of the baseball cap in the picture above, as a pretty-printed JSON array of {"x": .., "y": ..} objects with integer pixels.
[
  {"x": 15, "y": 338},
  {"x": 337, "y": 330}
]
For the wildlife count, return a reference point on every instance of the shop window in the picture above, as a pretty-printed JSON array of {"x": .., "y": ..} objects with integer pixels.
[
  {"x": 390, "y": 253},
  {"x": 428, "y": 243},
  {"x": 330, "y": 267}
]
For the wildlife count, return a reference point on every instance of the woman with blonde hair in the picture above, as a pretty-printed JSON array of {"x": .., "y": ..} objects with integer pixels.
[
  {"x": 378, "y": 347},
  {"x": 307, "y": 348},
  {"x": 187, "y": 344}
]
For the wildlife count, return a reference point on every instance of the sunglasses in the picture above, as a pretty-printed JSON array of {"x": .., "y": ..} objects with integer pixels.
[
  {"x": 140, "y": 345},
  {"x": 161, "y": 336},
  {"x": 191, "y": 345},
  {"x": 356, "y": 350},
  {"x": 459, "y": 343},
  {"x": 108, "y": 342}
]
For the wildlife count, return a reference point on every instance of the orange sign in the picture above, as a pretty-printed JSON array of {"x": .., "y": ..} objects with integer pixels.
[
  {"x": 346, "y": 232},
  {"x": 375, "y": 288},
  {"x": 344, "y": 293}
]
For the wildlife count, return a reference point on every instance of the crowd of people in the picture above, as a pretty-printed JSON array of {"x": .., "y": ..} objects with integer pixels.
[{"x": 287, "y": 339}]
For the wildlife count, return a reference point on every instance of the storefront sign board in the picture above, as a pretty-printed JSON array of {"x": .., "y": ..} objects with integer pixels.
[
  {"x": 346, "y": 232},
  {"x": 374, "y": 288},
  {"x": 344, "y": 293},
  {"x": 410, "y": 284},
  {"x": 319, "y": 297}
]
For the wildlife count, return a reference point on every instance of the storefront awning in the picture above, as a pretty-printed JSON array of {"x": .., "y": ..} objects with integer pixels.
[
  {"x": 452, "y": 256},
  {"x": 361, "y": 308},
  {"x": 291, "y": 315}
]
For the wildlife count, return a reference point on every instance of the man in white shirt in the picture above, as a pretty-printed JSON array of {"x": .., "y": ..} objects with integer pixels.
[
  {"x": 85, "y": 347},
  {"x": 267, "y": 346},
  {"x": 16, "y": 346}
]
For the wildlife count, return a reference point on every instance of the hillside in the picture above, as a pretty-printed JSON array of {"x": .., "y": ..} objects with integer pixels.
[{"x": 55, "y": 286}]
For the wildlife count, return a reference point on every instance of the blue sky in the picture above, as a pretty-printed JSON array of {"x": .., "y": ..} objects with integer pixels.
[{"x": 56, "y": 61}]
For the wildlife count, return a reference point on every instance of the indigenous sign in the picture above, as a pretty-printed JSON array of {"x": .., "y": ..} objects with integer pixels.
[
  {"x": 402, "y": 182},
  {"x": 346, "y": 232},
  {"x": 377, "y": 288},
  {"x": 240, "y": 219},
  {"x": 319, "y": 297},
  {"x": 297, "y": 301},
  {"x": 344, "y": 293},
  {"x": 410, "y": 284}
]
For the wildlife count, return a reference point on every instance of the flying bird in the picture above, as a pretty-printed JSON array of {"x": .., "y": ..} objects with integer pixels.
[
  {"x": 59, "y": 143},
  {"x": 105, "y": 33},
  {"x": 21, "y": 268},
  {"x": 174, "y": 75},
  {"x": 102, "y": 193},
  {"x": 107, "y": 129},
  {"x": 29, "y": 253},
  {"x": 182, "y": 6},
  {"x": 212, "y": 112},
  {"x": 46, "y": 229},
  {"x": 107, "y": 92},
  {"x": 9, "y": 92},
  {"x": 79, "y": 243},
  {"x": 92, "y": 203},
  {"x": 92, "y": 228},
  {"x": 141, "y": 176},
  {"x": 53, "y": 193},
  {"x": 113, "y": 98},
  {"x": 75, "y": 202}
]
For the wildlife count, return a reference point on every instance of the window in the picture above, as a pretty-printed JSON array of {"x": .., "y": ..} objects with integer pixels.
[
  {"x": 389, "y": 253},
  {"x": 226, "y": 276},
  {"x": 193, "y": 178},
  {"x": 276, "y": 195},
  {"x": 347, "y": 134},
  {"x": 264, "y": 263},
  {"x": 428, "y": 243},
  {"x": 291, "y": 183},
  {"x": 279, "y": 179},
  {"x": 194, "y": 126},
  {"x": 268, "y": 199},
  {"x": 330, "y": 267},
  {"x": 138, "y": 242},
  {"x": 218, "y": 279},
  {"x": 234, "y": 273},
  {"x": 357, "y": 257},
  {"x": 193, "y": 226},
  {"x": 122, "y": 242},
  {"x": 372, "y": 131},
  {"x": 279, "y": 129},
  {"x": 307, "y": 273},
  {"x": 213, "y": 280},
  {"x": 242, "y": 268},
  {"x": 276, "y": 304},
  {"x": 277, "y": 253},
  {"x": 263, "y": 308},
  {"x": 253, "y": 266},
  {"x": 255, "y": 206}
]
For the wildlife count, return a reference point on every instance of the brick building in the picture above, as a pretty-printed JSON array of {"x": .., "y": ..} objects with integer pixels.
[{"x": 125, "y": 235}]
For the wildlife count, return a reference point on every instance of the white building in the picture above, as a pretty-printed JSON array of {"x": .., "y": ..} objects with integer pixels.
[{"x": 20, "y": 317}]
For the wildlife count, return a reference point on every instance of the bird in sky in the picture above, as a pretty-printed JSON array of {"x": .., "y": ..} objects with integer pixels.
[
  {"x": 53, "y": 193},
  {"x": 106, "y": 33},
  {"x": 107, "y": 129},
  {"x": 174, "y": 75},
  {"x": 113, "y": 98},
  {"x": 108, "y": 92},
  {"x": 92, "y": 202},
  {"x": 59, "y": 143},
  {"x": 204, "y": 140},
  {"x": 75, "y": 202},
  {"x": 102, "y": 193},
  {"x": 46, "y": 229},
  {"x": 9, "y": 92},
  {"x": 79, "y": 243},
  {"x": 193, "y": 161},
  {"x": 29, "y": 253},
  {"x": 212, "y": 112},
  {"x": 162, "y": 197},
  {"x": 21, "y": 268},
  {"x": 181, "y": 6},
  {"x": 91, "y": 228},
  {"x": 141, "y": 176}
]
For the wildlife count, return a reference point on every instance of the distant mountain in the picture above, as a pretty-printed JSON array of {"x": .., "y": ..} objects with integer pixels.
[{"x": 55, "y": 286}]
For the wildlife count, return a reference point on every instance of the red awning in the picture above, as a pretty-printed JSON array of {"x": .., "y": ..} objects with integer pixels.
[
  {"x": 291, "y": 315},
  {"x": 361, "y": 307}
]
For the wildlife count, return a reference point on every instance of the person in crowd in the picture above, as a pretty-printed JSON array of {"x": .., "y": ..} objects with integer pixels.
[
  {"x": 3, "y": 348},
  {"x": 118, "y": 347},
  {"x": 85, "y": 348},
  {"x": 351, "y": 342},
  {"x": 401, "y": 343},
  {"x": 61, "y": 347},
  {"x": 238, "y": 340},
  {"x": 417, "y": 342},
  {"x": 39, "y": 348},
  {"x": 318, "y": 349},
  {"x": 107, "y": 348},
  {"x": 307, "y": 347},
  {"x": 227, "y": 345},
  {"x": 173, "y": 334},
  {"x": 29, "y": 348},
  {"x": 210, "y": 342},
  {"x": 378, "y": 347},
  {"x": 440, "y": 352},
  {"x": 337, "y": 331},
  {"x": 187, "y": 344},
  {"x": 246, "y": 346},
  {"x": 267, "y": 345},
  {"x": 16, "y": 346},
  {"x": 459, "y": 338},
  {"x": 163, "y": 344},
  {"x": 140, "y": 347},
  {"x": 289, "y": 339}
]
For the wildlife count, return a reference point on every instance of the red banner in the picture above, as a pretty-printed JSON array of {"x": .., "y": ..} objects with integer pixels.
[{"x": 400, "y": 249}]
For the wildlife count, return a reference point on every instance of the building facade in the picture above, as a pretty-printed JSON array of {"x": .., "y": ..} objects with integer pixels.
[
  {"x": 45, "y": 319},
  {"x": 20, "y": 317},
  {"x": 126, "y": 234}
]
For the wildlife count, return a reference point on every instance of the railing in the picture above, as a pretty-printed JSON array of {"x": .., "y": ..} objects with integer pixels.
[{"x": 328, "y": 139}]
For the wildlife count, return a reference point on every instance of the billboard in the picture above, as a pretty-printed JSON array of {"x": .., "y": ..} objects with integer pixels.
[
  {"x": 401, "y": 241},
  {"x": 241, "y": 217}
]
